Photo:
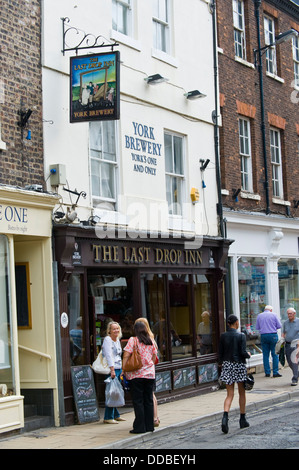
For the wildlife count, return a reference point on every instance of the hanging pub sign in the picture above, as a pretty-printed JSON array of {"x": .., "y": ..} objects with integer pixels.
[{"x": 94, "y": 87}]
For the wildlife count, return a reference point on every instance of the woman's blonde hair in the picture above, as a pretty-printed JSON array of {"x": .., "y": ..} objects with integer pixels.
[
  {"x": 144, "y": 320},
  {"x": 109, "y": 328}
]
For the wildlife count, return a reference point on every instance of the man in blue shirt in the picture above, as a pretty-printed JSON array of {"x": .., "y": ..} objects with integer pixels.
[
  {"x": 267, "y": 324},
  {"x": 290, "y": 332}
]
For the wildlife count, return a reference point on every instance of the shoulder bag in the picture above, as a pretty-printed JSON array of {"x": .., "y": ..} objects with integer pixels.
[
  {"x": 134, "y": 361},
  {"x": 100, "y": 365}
]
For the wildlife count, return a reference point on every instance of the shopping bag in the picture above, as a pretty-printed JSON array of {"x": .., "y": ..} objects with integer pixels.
[
  {"x": 114, "y": 393},
  {"x": 100, "y": 365}
]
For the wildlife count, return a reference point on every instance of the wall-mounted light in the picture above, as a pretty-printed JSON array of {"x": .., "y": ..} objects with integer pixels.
[
  {"x": 24, "y": 116},
  {"x": 282, "y": 37},
  {"x": 194, "y": 95},
  {"x": 236, "y": 193},
  {"x": 155, "y": 79}
]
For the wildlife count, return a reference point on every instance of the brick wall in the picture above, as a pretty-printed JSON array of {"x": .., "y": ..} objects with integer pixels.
[
  {"x": 240, "y": 97},
  {"x": 20, "y": 77}
]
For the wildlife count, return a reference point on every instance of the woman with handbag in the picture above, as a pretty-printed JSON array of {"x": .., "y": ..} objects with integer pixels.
[
  {"x": 232, "y": 357},
  {"x": 112, "y": 351},
  {"x": 142, "y": 380},
  {"x": 156, "y": 418}
]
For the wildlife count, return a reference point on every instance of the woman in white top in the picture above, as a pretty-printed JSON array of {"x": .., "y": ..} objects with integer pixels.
[{"x": 112, "y": 351}]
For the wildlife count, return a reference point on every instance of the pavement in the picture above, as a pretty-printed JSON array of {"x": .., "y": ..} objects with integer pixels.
[{"x": 175, "y": 414}]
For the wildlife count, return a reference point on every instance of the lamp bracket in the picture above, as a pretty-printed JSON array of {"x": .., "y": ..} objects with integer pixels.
[
  {"x": 82, "y": 193},
  {"x": 86, "y": 40}
]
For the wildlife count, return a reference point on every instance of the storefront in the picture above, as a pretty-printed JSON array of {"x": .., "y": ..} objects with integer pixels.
[
  {"x": 179, "y": 291},
  {"x": 27, "y": 334},
  {"x": 263, "y": 270}
]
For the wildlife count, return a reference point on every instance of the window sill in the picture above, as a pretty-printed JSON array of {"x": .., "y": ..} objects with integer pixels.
[
  {"x": 255, "y": 197},
  {"x": 244, "y": 62},
  {"x": 126, "y": 40},
  {"x": 280, "y": 202},
  {"x": 275, "y": 77},
  {"x": 160, "y": 55}
]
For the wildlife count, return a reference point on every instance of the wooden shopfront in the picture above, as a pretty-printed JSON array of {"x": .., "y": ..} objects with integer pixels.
[{"x": 179, "y": 290}]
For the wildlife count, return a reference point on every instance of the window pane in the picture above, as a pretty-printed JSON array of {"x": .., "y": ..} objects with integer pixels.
[
  {"x": 180, "y": 308},
  {"x": 178, "y": 157},
  {"x": 168, "y": 153},
  {"x": 288, "y": 286},
  {"x": 204, "y": 319}
]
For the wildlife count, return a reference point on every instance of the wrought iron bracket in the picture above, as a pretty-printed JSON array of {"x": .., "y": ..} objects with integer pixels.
[{"x": 86, "y": 40}]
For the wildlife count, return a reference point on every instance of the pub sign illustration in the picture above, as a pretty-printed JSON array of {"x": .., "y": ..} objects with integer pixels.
[{"x": 94, "y": 90}]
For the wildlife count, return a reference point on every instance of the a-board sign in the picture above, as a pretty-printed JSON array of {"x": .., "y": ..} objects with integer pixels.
[{"x": 84, "y": 394}]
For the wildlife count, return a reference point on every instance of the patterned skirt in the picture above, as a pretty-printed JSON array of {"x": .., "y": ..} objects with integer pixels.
[{"x": 233, "y": 372}]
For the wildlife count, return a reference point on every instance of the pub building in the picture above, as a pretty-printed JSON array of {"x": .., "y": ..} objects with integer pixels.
[{"x": 177, "y": 286}]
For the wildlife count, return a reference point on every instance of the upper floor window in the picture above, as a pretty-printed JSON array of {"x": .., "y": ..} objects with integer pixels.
[
  {"x": 102, "y": 152},
  {"x": 239, "y": 29},
  {"x": 296, "y": 60},
  {"x": 161, "y": 34},
  {"x": 245, "y": 155},
  {"x": 122, "y": 16},
  {"x": 275, "y": 151},
  {"x": 174, "y": 166},
  {"x": 269, "y": 30}
]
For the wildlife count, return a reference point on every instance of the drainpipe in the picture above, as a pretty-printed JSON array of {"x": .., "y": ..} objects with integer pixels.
[
  {"x": 257, "y": 4},
  {"x": 215, "y": 115}
]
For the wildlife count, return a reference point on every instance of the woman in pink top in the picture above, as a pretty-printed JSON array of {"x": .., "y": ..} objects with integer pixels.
[{"x": 142, "y": 380}]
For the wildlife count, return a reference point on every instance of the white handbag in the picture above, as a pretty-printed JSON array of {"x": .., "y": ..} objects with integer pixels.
[{"x": 100, "y": 365}]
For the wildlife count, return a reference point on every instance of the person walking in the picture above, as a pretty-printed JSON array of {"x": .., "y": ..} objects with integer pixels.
[
  {"x": 232, "y": 358},
  {"x": 267, "y": 324},
  {"x": 112, "y": 351},
  {"x": 156, "y": 417},
  {"x": 290, "y": 332},
  {"x": 142, "y": 380}
]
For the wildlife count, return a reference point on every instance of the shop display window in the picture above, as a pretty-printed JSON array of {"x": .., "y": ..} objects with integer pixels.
[
  {"x": 7, "y": 382},
  {"x": 76, "y": 321},
  {"x": 204, "y": 318},
  {"x": 252, "y": 298},
  {"x": 288, "y": 286}
]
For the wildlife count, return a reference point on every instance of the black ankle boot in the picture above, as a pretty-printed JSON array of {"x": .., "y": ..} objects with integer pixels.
[
  {"x": 243, "y": 422},
  {"x": 224, "y": 425}
]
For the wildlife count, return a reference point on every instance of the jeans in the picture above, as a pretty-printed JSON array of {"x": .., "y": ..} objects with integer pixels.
[
  {"x": 268, "y": 342},
  {"x": 293, "y": 365},
  {"x": 142, "y": 397},
  {"x": 112, "y": 413}
]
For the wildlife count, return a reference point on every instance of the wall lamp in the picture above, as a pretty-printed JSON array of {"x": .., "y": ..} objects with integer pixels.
[
  {"x": 280, "y": 38},
  {"x": 194, "y": 95},
  {"x": 204, "y": 164},
  {"x": 236, "y": 193},
  {"x": 155, "y": 79},
  {"x": 24, "y": 116}
]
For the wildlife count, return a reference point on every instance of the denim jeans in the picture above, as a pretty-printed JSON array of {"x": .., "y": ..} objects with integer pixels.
[
  {"x": 112, "y": 413},
  {"x": 268, "y": 342}
]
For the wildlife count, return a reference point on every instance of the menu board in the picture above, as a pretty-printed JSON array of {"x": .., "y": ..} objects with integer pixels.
[
  {"x": 84, "y": 394},
  {"x": 163, "y": 381},
  {"x": 184, "y": 377}
]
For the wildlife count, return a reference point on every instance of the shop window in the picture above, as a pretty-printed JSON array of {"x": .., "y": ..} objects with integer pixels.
[
  {"x": 6, "y": 328},
  {"x": 252, "y": 298},
  {"x": 111, "y": 299},
  {"x": 76, "y": 321},
  {"x": 204, "y": 319},
  {"x": 288, "y": 286}
]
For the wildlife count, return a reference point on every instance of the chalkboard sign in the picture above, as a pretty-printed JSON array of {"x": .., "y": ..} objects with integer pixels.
[
  {"x": 23, "y": 295},
  {"x": 207, "y": 373},
  {"x": 85, "y": 394},
  {"x": 184, "y": 377}
]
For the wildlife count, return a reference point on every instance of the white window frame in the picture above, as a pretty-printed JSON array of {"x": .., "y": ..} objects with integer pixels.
[
  {"x": 161, "y": 26},
  {"x": 175, "y": 178},
  {"x": 122, "y": 17},
  {"x": 245, "y": 154},
  {"x": 276, "y": 163},
  {"x": 295, "y": 47},
  {"x": 239, "y": 29},
  {"x": 269, "y": 31},
  {"x": 97, "y": 154}
]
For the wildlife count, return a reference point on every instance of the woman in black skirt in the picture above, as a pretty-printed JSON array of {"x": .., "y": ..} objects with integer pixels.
[{"x": 232, "y": 357}]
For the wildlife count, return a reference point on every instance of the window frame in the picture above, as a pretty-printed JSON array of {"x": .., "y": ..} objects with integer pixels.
[
  {"x": 173, "y": 175},
  {"x": 119, "y": 7},
  {"x": 245, "y": 156},
  {"x": 276, "y": 166},
  {"x": 269, "y": 35},
  {"x": 97, "y": 199},
  {"x": 240, "y": 41},
  {"x": 164, "y": 25},
  {"x": 295, "y": 51}
]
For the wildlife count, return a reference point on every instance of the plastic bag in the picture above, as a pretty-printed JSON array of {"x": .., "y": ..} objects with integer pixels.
[{"x": 114, "y": 393}]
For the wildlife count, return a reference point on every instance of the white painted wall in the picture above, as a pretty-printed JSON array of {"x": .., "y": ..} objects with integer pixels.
[{"x": 160, "y": 107}]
